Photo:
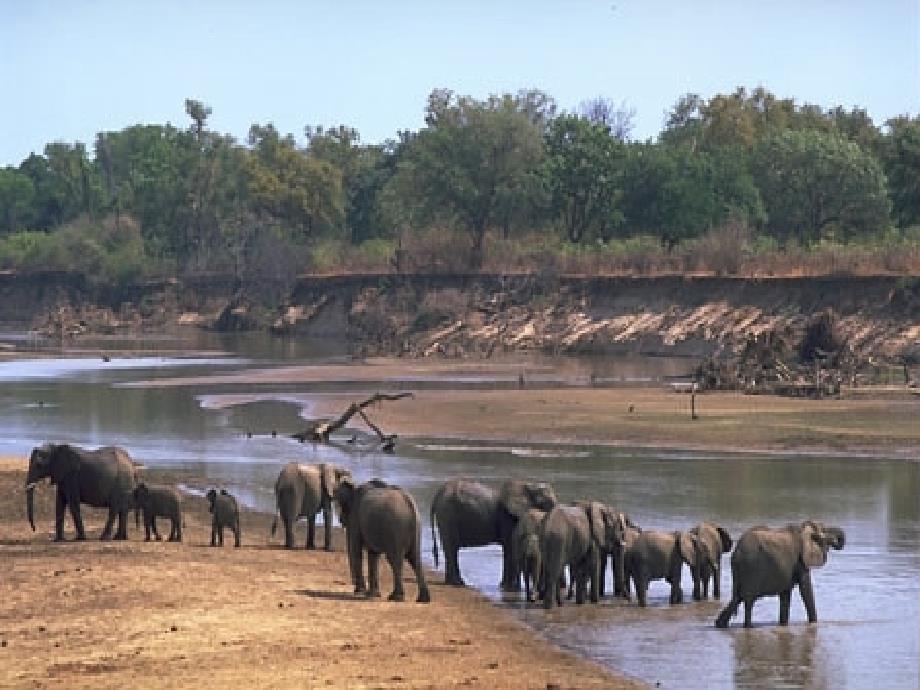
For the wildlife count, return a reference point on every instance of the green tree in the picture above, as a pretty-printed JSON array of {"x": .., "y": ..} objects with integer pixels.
[
  {"x": 299, "y": 190},
  {"x": 817, "y": 184},
  {"x": 474, "y": 165},
  {"x": 583, "y": 170},
  {"x": 901, "y": 157},
  {"x": 17, "y": 198}
]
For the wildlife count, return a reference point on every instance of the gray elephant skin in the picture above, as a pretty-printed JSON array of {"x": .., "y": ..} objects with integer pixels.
[
  {"x": 658, "y": 555},
  {"x": 467, "y": 513},
  {"x": 772, "y": 562},
  {"x": 612, "y": 553},
  {"x": 710, "y": 541},
  {"x": 528, "y": 556},
  {"x": 102, "y": 478},
  {"x": 302, "y": 491},
  {"x": 159, "y": 501},
  {"x": 381, "y": 519},
  {"x": 225, "y": 513},
  {"x": 576, "y": 536}
]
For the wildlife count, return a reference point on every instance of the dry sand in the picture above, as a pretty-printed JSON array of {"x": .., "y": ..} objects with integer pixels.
[{"x": 135, "y": 614}]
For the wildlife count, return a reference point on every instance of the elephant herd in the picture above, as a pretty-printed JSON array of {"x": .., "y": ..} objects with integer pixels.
[
  {"x": 107, "y": 478},
  {"x": 540, "y": 537}
]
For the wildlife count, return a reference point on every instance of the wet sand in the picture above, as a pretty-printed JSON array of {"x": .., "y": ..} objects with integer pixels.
[
  {"x": 865, "y": 420},
  {"x": 135, "y": 614}
]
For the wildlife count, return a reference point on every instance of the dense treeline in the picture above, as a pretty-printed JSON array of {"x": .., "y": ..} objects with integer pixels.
[{"x": 504, "y": 174}]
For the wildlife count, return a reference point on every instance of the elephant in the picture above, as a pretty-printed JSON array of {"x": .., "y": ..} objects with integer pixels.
[
  {"x": 576, "y": 536},
  {"x": 159, "y": 501},
  {"x": 658, "y": 555},
  {"x": 768, "y": 562},
  {"x": 710, "y": 541},
  {"x": 620, "y": 557},
  {"x": 528, "y": 558},
  {"x": 612, "y": 554},
  {"x": 302, "y": 491},
  {"x": 468, "y": 513},
  {"x": 381, "y": 519},
  {"x": 224, "y": 513},
  {"x": 102, "y": 478}
]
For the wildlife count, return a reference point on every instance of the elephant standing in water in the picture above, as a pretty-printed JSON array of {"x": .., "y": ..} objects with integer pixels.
[
  {"x": 468, "y": 513},
  {"x": 528, "y": 556},
  {"x": 658, "y": 555},
  {"x": 710, "y": 541},
  {"x": 102, "y": 478},
  {"x": 770, "y": 562},
  {"x": 302, "y": 491},
  {"x": 576, "y": 536},
  {"x": 381, "y": 519}
]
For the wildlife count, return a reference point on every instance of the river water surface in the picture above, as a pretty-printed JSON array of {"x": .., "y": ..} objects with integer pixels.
[{"x": 868, "y": 595}]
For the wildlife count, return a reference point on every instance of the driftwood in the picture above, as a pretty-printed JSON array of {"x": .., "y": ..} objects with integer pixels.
[
  {"x": 320, "y": 431},
  {"x": 387, "y": 441}
]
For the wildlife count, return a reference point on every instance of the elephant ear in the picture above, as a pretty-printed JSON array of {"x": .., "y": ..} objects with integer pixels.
[
  {"x": 597, "y": 520},
  {"x": 64, "y": 461},
  {"x": 726, "y": 539},
  {"x": 687, "y": 545},
  {"x": 814, "y": 549},
  {"x": 344, "y": 495}
]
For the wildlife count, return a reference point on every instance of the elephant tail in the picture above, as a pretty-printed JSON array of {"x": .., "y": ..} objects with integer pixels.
[{"x": 434, "y": 535}]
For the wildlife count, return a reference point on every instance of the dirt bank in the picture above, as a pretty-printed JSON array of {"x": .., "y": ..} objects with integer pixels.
[{"x": 135, "y": 614}]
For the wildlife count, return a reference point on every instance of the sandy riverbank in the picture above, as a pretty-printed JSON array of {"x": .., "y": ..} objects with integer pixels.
[
  {"x": 135, "y": 614},
  {"x": 875, "y": 421}
]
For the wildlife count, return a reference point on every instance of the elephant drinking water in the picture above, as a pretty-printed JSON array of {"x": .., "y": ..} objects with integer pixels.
[{"x": 102, "y": 478}]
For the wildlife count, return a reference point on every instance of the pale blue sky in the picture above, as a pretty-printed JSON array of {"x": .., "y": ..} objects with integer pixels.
[{"x": 71, "y": 68}]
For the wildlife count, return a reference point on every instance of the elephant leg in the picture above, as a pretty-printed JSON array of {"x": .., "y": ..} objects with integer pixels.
[
  {"x": 288, "y": 531},
  {"x": 395, "y": 560},
  {"x": 213, "y": 533},
  {"x": 808, "y": 597},
  {"x": 415, "y": 560},
  {"x": 452, "y": 574},
  {"x": 716, "y": 581},
  {"x": 327, "y": 527},
  {"x": 60, "y": 505},
  {"x": 179, "y": 527},
  {"x": 511, "y": 582},
  {"x": 121, "y": 533},
  {"x": 748, "y": 612},
  {"x": 785, "y": 599},
  {"x": 726, "y": 614},
  {"x": 153, "y": 527},
  {"x": 595, "y": 575},
  {"x": 677, "y": 594},
  {"x": 236, "y": 534},
  {"x": 373, "y": 574},
  {"x": 355, "y": 560},
  {"x": 220, "y": 535},
  {"x": 107, "y": 530},
  {"x": 147, "y": 528},
  {"x": 641, "y": 586},
  {"x": 311, "y": 532},
  {"x": 696, "y": 574}
]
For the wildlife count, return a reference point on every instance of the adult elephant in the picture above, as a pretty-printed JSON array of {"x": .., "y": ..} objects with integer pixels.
[
  {"x": 710, "y": 541},
  {"x": 302, "y": 491},
  {"x": 656, "y": 555},
  {"x": 576, "y": 536},
  {"x": 772, "y": 562},
  {"x": 102, "y": 478},
  {"x": 381, "y": 519},
  {"x": 468, "y": 513}
]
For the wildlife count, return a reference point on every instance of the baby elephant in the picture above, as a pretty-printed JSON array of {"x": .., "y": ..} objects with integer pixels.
[
  {"x": 381, "y": 519},
  {"x": 159, "y": 501},
  {"x": 225, "y": 513}
]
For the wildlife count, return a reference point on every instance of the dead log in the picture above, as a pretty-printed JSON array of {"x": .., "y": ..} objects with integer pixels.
[
  {"x": 387, "y": 441},
  {"x": 320, "y": 431}
]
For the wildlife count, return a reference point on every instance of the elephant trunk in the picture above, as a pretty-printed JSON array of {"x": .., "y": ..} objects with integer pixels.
[
  {"x": 30, "y": 504},
  {"x": 837, "y": 537}
]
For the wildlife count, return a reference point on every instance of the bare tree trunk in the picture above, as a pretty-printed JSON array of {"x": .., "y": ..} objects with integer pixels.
[{"x": 321, "y": 431}]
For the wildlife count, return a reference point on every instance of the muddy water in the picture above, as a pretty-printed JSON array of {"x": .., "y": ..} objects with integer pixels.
[{"x": 868, "y": 595}]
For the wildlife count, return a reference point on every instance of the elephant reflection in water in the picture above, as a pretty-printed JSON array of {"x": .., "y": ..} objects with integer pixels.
[{"x": 783, "y": 657}]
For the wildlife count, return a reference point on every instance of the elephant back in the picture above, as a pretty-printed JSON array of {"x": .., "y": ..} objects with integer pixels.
[{"x": 107, "y": 477}]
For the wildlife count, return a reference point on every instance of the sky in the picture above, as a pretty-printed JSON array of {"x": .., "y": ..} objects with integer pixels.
[{"x": 71, "y": 68}]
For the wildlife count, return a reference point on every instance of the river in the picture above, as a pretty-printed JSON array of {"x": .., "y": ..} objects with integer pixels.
[{"x": 868, "y": 595}]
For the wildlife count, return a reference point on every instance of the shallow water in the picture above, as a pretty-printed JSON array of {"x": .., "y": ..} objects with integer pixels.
[{"x": 868, "y": 595}]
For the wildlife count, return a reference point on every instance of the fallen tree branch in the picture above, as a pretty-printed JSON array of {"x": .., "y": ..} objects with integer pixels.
[
  {"x": 319, "y": 431},
  {"x": 387, "y": 441}
]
